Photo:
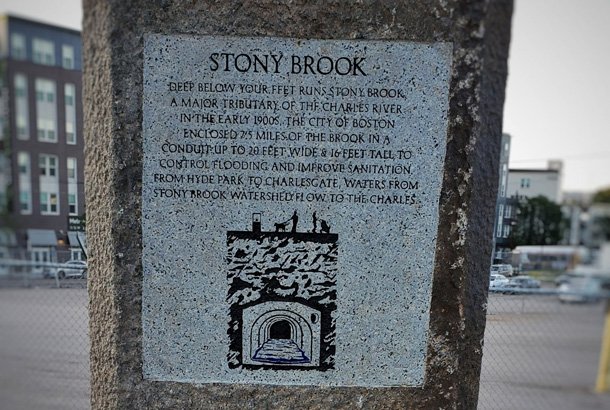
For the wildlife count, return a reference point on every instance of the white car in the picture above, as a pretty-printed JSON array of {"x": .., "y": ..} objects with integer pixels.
[
  {"x": 497, "y": 281},
  {"x": 580, "y": 290},
  {"x": 72, "y": 269},
  {"x": 502, "y": 269},
  {"x": 524, "y": 282}
]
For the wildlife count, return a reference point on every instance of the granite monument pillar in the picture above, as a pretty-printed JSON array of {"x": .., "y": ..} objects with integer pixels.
[{"x": 290, "y": 204}]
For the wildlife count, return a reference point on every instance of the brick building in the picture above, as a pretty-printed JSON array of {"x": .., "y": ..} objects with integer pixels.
[{"x": 41, "y": 139}]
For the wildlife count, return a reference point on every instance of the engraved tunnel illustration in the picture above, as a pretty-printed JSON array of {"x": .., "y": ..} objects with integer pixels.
[
  {"x": 282, "y": 296},
  {"x": 280, "y": 330},
  {"x": 281, "y": 333}
]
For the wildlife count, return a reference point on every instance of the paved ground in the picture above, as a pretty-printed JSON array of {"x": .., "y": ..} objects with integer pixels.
[
  {"x": 44, "y": 352},
  {"x": 539, "y": 353}
]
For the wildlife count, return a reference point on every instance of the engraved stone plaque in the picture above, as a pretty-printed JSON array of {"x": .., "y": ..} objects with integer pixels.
[{"x": 290, "y": 208}]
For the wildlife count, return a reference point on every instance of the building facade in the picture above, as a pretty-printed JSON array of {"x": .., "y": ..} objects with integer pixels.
[
  {"x": 596, "y": 231},
  {"x": 530, "y": 183},
  {"x": 505, "y": 207},
  {"x": 41, "y": 142}
]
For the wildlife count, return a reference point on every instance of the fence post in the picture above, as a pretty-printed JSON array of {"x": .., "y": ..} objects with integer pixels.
[{"x": 603, "y": 374}]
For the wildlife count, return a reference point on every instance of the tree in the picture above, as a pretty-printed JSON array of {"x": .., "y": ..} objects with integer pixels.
[
  {"x": 602, "y": 196},
  {"x": 539, "y": 222}
]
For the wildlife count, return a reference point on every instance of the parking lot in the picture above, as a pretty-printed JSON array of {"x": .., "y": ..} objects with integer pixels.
[
  {"x": 541, "y": 354},
  {"x": 44, "y": 346},
  {"x": 538, "y": 354}
]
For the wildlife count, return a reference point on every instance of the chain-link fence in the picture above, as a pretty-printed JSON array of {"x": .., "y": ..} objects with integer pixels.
[
  {"x": 44, "y": 341},
  {"x": 540, "y": 352}
]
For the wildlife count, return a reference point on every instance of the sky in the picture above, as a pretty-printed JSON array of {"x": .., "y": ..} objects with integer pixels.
[{"x": 558, "y": 91}]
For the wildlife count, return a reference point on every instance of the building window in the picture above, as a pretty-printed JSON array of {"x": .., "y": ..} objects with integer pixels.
[
  {"x": 72, "y": 204},
  {"x": 506, "y": 231},
  {"x": 46, "y": 131},
  {"x": 25, "y": 202},
  {"x": 499, "y": 223},
  {"x": 76, "y": 254},
  {"x": 25, "y": 184},
  {"x": 49, "y": 204},
  {"x": 21, "y": 106},
  {"x": 54, "y": 203},
  {"x": 18, "y": 51},
  {"x": 43, "y": 51},
  {"x": 508, "y": 211},
  {"x": 70, "y": 134},
  {"x": 46, "y": 111},
  {"x": 23, "y": 160},
  {"x": 49, "y": 184},
  {"x": 44, "y": 202},
  {"x": 71, "y": 167},
  {"x": 72, "y": 186},
  {"x": 48, "y": 165},
  {"x": 67, "y": 57},
  {"x": 45, "y": 91},
  {"x": 503, "y": 180},
  {"x": 525, "y": 182},
  {"x": 41, "y": 254},
  {"x": 70, "y": 109},
  {"x": 21, "y": 86},
  {"x": 69, "y": 94}
]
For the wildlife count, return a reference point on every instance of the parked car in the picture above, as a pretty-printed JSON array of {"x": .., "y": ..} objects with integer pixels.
[
  {"x": 563, "y": 278},
  {"x": 48, "y": 272},
  {"x": 580, "y": 290},
  {"x": 497, "y": 281},
  {"x": 502, "y": 269},
  {"x": 72, "y": 269},
  {"x": 523, "y": 282}
]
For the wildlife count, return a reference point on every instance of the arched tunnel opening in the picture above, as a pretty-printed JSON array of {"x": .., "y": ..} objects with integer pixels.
[{"x": 280, "y": 330}]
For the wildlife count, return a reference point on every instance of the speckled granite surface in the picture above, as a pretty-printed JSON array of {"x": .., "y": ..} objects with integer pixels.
[{"x": 234, "y": 127}]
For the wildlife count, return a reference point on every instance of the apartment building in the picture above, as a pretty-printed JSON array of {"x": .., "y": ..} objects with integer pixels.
[
  {"x": 505, "y": 206},
  {"x": 530, "y": 183},
  {"x": 41, "y": 139}
]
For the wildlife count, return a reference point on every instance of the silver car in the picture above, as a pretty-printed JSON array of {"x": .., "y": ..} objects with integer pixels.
[
  {"x": 581, "y": 290},
  {"x": 72, "y": 269}
]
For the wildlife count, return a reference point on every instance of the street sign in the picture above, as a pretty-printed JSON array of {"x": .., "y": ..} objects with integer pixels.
[{"x": 76, "y": 223}]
